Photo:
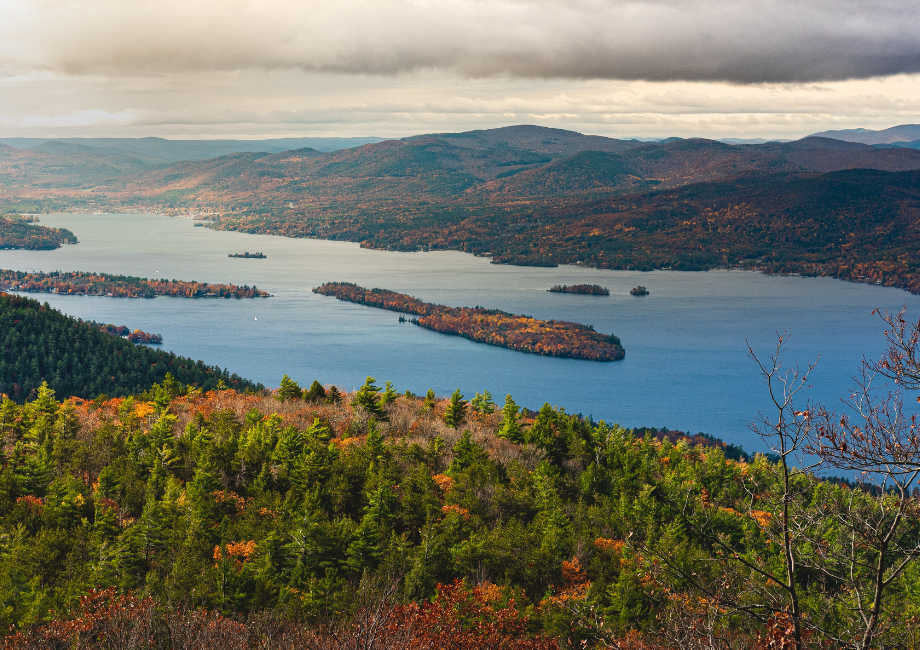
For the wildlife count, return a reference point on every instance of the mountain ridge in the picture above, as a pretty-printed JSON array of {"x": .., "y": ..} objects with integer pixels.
[{"x": 511, "y": 193}]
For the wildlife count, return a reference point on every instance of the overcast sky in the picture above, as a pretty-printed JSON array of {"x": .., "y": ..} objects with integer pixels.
[{"x": 273, "y": 68}]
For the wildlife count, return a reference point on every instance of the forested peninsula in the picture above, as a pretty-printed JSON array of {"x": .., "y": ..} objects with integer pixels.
[
  {"x": 16, "y": 233},
  {"x": 492, "y": 326},
  {"x": 40, "y": 344},
  {"x": 119, "y": 286}
]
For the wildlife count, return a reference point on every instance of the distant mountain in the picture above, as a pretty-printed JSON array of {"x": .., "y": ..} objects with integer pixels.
[
  {"x": 528, "y": 137},
  {"x": 902, "y": 133},
  {"x": 160, "y": 150},
  {"x": 681, "y": 162},
  {"x": 522, "y": 193}
]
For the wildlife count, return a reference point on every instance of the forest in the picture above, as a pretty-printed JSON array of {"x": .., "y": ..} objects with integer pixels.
[
  {"x": 308, "y": 517},
  {"x": 491, "y": 326},
  {"x": 119, "y": 286},
  {"x": 40, "y": 344},
  {"x": 17, "y": 233}
]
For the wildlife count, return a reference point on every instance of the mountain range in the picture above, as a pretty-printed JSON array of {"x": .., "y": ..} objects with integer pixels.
[
  {"x": 529, "y": 195},
  {"x": 160, "y": 150},
  {"x": 904, "y": 135}
]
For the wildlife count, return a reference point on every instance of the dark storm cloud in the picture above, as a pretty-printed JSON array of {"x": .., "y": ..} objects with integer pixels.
[{"x": 742, "y": 41}]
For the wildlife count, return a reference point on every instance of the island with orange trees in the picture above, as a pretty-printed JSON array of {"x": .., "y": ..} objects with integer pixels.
[
  {"x": 119, "y": 286},
  {"x": 587, "y": 289},
  {"x": 492, "y": 326}
]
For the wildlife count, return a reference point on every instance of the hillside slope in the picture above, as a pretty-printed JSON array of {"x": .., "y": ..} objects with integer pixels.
[{"x": 39, "y": 344}]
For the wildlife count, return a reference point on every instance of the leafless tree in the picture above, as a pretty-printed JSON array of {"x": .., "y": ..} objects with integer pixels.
[{"x": 877, "y": 439}]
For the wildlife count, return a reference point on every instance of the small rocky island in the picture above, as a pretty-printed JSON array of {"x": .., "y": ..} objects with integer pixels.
[
  {"x": 248, "y": 255},
  {"x": 638, "y": 291},
  {"x": 587, "y": 289}
]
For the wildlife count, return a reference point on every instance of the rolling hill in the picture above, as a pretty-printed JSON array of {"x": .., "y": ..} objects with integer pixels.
[{"x": 531, "y": 195}]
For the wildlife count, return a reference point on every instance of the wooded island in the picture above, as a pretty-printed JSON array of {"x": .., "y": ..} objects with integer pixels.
[
  {"x": 587, "y": 289},
  {"x": 119, "y": 286},
  {"x": 492, "y": 326}
]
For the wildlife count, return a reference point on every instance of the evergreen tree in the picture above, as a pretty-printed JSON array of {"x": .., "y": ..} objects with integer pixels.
[
  {"x": 367, "y": 399},
  {"x": 428, "y": 404},
  {"x": 374, "y": 441},
  {"x": 466, "y": 454},
  {"x": 483, "y": 403},
  {"x": 289, "y": 390},
  {"x": 365, "y": 550},
  {"x": 389, "y": 394},
  {"x": 456, "y": 410},
  {"x": 511, "y": 428},
  {"x": 316, "y": 393},
  {"x": 320, "y": 430},
  {"x": 333, "y": 396}
]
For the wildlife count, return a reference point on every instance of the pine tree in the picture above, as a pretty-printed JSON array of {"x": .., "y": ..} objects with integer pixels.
[
  {"x": 289, "y": 390},
  {"x": 333, "y": 396},
  {"x": 554, "y": 524},
  {"x": 466, "y": 454},
  {"x": 316, "y": 393},
  {"x": 389, "y": 394},
  {"x": 483, "y": 403},
  {"x": 374, "y": 441},
  {"x": 365, "y": 550},
  {"x": 456, "y": 410},
  {"x": 367, "y": 399},
  {"x": 320, "y": 430},
  {"x": 511, "y": 428},
  {"x": 428, "y": 404}
]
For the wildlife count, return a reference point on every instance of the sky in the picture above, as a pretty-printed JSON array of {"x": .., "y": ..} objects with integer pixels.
[{"x": 391, "y": 68}]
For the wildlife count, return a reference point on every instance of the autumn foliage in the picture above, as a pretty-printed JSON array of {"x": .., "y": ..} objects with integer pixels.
[
  {"x": 119, "y": 286},
  {"x": 492, "y": 326},
  {"x": 16, "y": 233}
]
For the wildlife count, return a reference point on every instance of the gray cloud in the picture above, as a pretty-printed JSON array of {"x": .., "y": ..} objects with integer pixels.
[{"x": 738, "y": 41}]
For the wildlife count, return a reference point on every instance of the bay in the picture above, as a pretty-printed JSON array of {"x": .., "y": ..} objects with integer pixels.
[{"x": 686, "y": 364}]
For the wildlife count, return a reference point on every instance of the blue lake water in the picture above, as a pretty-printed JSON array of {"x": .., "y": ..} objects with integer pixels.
[{"x": 686, "y": 364}]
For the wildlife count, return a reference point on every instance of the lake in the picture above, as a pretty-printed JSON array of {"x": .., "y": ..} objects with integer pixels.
[{"x": 686, "y": 364}]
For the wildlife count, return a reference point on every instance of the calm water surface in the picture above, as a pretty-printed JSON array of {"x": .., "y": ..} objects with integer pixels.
[{"x": 686, "y": 363}]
